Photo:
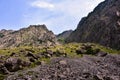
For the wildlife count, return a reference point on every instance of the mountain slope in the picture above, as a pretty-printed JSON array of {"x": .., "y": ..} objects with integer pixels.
[
  {"x": 100, "y": 26},
  {"x": 34, "y": 35},
  {"x": 64, "y": 34}
]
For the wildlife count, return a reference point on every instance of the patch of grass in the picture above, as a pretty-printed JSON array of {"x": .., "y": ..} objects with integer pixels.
[
  {"x": 46, "y": 60},
  {"x": 61, "y": 40},
  {"x": 2, "y": 77},
  {"x": 107, "y": 49},
  {"x": 32, "y": 65}
]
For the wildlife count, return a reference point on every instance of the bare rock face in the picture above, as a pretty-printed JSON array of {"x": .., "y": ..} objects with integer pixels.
[
  {"x": 100, "y": 26},
  {"x": 34, "y": 35}
]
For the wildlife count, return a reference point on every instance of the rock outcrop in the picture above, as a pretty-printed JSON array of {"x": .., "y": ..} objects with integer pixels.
[
  {"x": 34, "y": 35},
  {"x": 100, "y": 26}
]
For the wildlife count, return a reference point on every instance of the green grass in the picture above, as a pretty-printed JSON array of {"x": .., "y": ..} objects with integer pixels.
[
  {"x": 65, "y": 48},
  {"x": 107, "y": 49},
  {"x": 2, "y": 77}
]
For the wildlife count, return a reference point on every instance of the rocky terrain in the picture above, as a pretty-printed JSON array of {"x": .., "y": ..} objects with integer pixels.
[
  {"x": 34, "y": 35},
  {"x": 86, "y": 68},
  {"x": 100, "y": 26},
  {"x": 84, "y": 61}
]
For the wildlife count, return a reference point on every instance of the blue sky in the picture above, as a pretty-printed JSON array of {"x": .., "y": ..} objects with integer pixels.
[{"x": 58, "y": 15}]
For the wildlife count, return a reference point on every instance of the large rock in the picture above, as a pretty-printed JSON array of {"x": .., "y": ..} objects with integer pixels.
[
  {"x": 14, "y": 64},
  {"x": 100, "y": 26},
  {"x": 3, "y": 69}
]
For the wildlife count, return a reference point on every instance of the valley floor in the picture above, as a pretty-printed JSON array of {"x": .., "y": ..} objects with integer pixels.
[
  {"x": 74, "y": 61},
  {"x": 86, "y": 68}
]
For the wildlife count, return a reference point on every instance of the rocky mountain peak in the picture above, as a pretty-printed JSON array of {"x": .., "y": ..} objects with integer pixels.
[
  {"x": 100, "y": 26},
  {"x": 34, "y": 35},
  {"x": 38, "y": 27}
]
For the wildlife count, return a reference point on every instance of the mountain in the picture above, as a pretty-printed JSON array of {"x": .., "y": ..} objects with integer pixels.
[
  {"x": 34, "y": 35},
  {"x": 100, "y": 26},
  {"x": 64, "y": 34}
]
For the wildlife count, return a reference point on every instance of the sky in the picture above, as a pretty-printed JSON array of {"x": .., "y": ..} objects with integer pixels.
[{"x": 57, "y": 15}]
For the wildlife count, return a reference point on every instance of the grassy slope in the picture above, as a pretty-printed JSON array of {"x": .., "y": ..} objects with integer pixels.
[{"x": 65, "y": 48}]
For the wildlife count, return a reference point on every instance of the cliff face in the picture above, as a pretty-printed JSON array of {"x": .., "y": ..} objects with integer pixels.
[
  {"x": 100, "y": 26},
  {"x": 34, "y": 35}
]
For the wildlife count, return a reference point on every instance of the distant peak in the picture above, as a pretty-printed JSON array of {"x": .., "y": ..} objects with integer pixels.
[
  {"x": 38, "y": 26},
  {"x": 33, "y": 35}
]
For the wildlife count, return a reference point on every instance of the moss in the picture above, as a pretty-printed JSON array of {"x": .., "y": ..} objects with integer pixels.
[
  {"x": 32, "y": 65},
  {"x": 2, "y": 77},
  {"x": 46, "y": 60}
]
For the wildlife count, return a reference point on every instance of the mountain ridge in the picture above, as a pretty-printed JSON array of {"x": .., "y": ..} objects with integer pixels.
[
  {"x": 100, "y": 26},
  {"x": 64, "y": 34},
  {"x": 34, "y": 35}
]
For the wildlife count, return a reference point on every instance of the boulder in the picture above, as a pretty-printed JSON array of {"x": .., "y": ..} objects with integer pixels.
[
  {"x": 30, "y": 54},
  {"x": 13, "y": 64},
  {"x": 12, "y": 54},
  {"x": 49, "y": 52},
  {"x": 3, "y": 69},
  {"x": 101, "y": 54}
]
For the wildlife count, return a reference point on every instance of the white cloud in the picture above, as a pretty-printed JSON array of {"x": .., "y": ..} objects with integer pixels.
[
  {"x": 77, "y": 8},
  {"x": 42, "y": 4},
  {"x": 65, "y": 14}
]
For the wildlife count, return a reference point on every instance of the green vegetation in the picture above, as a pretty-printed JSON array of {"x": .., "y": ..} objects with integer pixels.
[
  {"x": 69, "y": 49},
  {"x": 61, "y": 40},
  {"x": 107, "y": 49},
  {"x": 2, "y": 77},
  {"x": 1, "y": 35}
]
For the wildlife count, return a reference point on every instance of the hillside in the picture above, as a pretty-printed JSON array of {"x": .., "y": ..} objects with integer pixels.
[
  {"x": 34, "y": 35},
  {"x": 64, "y": 34},
  {"x": 100, "y": 26}
]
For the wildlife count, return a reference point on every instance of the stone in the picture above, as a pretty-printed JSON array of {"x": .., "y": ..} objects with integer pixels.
[
  {"x": 3, "y": 69},
  {"x": 63, "y": 62},
  {"x": 101, "y": 54},
  {"x": 13, "y": 64}
]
